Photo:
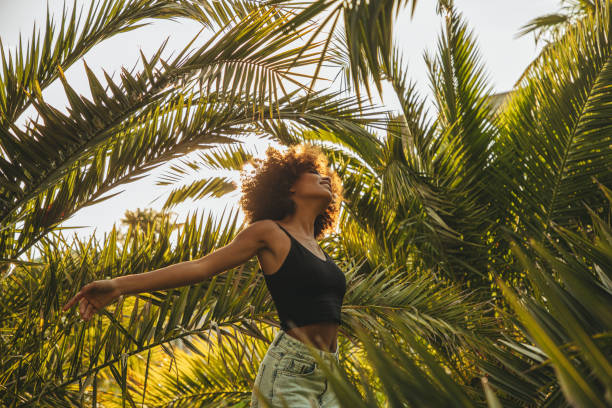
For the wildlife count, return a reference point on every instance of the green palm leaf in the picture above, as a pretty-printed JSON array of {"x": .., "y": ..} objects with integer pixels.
[
  {"x": 38, "y": 60},
  {"x": 203, "y": 371},
  {"x": 368, "y": 29},
  {"x": 146, "y": 114},
  {"x": 73, "y": 353},
  {"x": 567, "y": 318},
  {"x": 556, "y": 132},
  {"x": 426, "y": 185},
  {"x": 222, "y": 158}
]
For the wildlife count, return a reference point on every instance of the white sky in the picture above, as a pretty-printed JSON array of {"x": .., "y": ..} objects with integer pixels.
[{"x": 494, "y": 22}]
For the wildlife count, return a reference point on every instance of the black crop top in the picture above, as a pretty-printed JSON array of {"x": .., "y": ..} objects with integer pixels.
[{"x": 306, "y": 289}]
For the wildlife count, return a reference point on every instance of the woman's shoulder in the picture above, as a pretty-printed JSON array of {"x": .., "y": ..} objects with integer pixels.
[
  {"x": 264, "y": 225},
  {"x": 267, "y": 230}
]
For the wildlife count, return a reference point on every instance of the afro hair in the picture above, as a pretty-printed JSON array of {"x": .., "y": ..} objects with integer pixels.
[{"x": 265, "y": 191}]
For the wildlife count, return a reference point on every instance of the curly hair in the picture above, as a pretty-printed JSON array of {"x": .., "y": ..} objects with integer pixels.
[{"x": 265, "y": 192}]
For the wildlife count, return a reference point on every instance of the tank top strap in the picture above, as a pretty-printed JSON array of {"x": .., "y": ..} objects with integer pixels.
[{"x": 290, "y": 237}]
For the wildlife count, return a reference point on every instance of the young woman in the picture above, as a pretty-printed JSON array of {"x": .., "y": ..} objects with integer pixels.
[{"x": 290, "y": 200}]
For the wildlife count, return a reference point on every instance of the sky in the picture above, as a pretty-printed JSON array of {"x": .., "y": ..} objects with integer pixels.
[{"x": 495, "y": 24}]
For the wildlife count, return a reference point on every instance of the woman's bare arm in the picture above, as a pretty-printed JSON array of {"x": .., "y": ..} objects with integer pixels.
[
  {"x": 242, "y": 248},
  {"x": 98, "y": 294}
]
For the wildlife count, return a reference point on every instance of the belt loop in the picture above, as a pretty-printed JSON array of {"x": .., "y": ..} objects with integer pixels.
[{"x": 280, "y": 336}]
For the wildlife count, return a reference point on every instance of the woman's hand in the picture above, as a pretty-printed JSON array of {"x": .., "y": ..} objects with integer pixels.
[{"x": 94, "y": 296}]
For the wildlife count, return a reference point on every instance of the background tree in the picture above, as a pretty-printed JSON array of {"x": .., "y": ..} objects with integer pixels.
[{"x": 141, "y": 221}]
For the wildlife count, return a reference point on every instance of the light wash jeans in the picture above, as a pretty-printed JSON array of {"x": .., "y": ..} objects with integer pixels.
[{"x": 289, "y": 374}]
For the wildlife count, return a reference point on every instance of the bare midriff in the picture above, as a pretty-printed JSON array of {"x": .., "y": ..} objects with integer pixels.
[{"x": 321, "y": 335}]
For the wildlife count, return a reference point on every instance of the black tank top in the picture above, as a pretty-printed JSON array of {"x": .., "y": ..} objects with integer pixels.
[{"x": 306, "y": 289}]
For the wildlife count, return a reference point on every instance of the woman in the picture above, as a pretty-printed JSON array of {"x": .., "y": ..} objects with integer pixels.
[{"x": 290, "y": 201}]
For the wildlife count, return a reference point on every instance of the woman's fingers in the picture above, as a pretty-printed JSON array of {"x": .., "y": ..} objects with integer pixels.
[
  {"x": 72, "y": 301},
  {"x": 83, "y": 306},
  {"x": 90, "y": 298},
  {"x": 89, "y": 312},
  {"x": 79, "y": 296}
]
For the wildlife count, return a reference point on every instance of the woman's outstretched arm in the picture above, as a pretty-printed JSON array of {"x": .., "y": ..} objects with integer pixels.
[{"x": 98, "y": 294}]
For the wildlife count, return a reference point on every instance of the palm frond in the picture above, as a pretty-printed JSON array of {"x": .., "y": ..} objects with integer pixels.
[
  {"x": 72, "y": 354},
  {"x": 199, "y": 189},
  {"x": 62, "y": 44},
  {"x": 368, "y": 29},
  {"x": 202, "y": 371},
  {"x": 144, "y": 111},
  {"x": 409, "y": 375},
  {"x": 222, "y": 15},
  {"x": 549, "y": 23},
  {"x": 556, "y": 133},
  {"x": 221, "y": 158},
  {"x": 567, "y": 318},
  {"x": 555, "y": 24},
  {"x": 430, "y": 176},
  {"x": 422, "y": 304}
]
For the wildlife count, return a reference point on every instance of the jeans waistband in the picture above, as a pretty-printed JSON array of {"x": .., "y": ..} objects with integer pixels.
[{"x": 282, "y": 339}]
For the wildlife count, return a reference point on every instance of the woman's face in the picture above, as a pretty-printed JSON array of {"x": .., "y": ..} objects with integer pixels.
[{"x": 311, "y": 184}]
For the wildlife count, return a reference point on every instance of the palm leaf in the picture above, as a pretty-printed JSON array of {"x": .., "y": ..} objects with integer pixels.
[
  {"x": 38, "y": 59},
  {"x": 221, "y": 158},
  {"x": 75, "y": 352},
  {"x": 556, "y": 133},
  {"x": 204, "y": 371},
  {"x": 137, "y": 114},
  {"x": 429, "y": 176},
  {"x": 568, "y": 319},
  {"x": 368, "y": 28}
]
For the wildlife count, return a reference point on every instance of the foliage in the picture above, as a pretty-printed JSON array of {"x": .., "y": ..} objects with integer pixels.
[
  {"x": 140, "y": 221},
  {"x": 474, "y": 240}
]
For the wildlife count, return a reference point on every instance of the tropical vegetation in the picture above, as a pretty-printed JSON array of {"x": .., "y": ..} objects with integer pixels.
[{"x": 477, "y": 241}]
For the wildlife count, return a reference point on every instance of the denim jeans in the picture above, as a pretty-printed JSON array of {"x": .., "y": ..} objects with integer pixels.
[{"x": 289, "y": 374}]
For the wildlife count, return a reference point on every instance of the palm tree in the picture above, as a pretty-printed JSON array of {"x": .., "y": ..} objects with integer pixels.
[
  {"x": 134, "y": 124},
  {"x": 216, "y": 93},
  {"x": 551, "y": 27},
  {"x": 496, "y": 177},
  {"x": 433, "y": 207},
  {"x": 140, "y": 221}
]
